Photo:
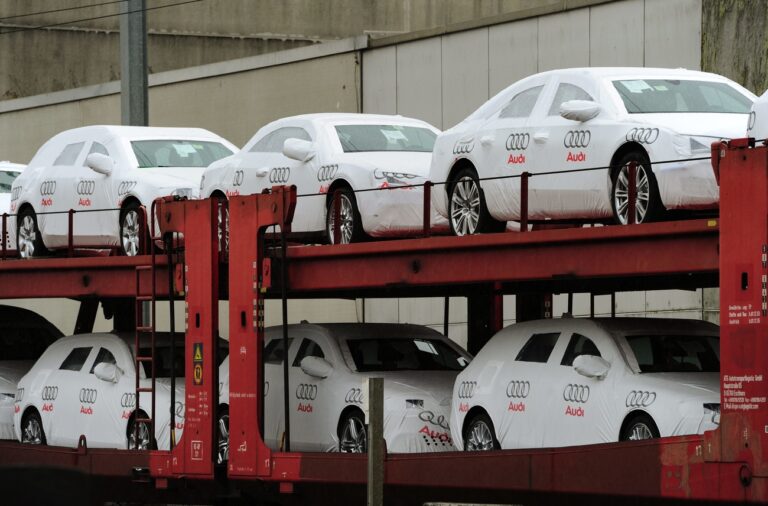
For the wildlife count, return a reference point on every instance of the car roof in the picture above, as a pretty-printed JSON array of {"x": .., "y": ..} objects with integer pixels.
[
  {"x": 621, "y": 325},
  {"x": 138, "y": 132},
  {"x": 360, "y": 330},
  {"x": 342, "y": 117},
  {"x": 17, "y": 167}
]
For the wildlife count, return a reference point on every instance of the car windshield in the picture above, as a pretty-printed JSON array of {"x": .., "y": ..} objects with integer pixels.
[
  {"x": 415, "y": 354},
  {"x": 676, "y": 353},
  {"x": 678, "y": 95},
  {"x": 357, "y": 138},
  {"x": 6, "y": 180},
  {"x": 178, "y": 153}
]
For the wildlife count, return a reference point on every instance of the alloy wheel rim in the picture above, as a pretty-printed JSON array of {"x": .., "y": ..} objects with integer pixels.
[
  {"x": 27, "y": 237},
  {"x": 223, "y": 445},
  {"x": 465, "y": 206},
  {"x": 143, "y": 437},
  {"x": 639, "y": 432},
  {"x": 130, "y": 233},
  {"x": 480, "y": 438},
  {"x": 33, "y": 433},
  {"x": 353, "y": 437},
  {"x": 346, "y": 224},
  {"x": 621, "y": 194}
]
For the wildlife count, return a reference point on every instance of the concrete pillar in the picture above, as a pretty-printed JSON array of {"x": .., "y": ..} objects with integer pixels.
[{"x": 133, "y": 63}]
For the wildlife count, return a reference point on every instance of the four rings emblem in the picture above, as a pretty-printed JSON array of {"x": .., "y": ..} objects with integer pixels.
[
  {"x": 179, "y": 409},
  {"x": 128, "y": 400},
  {"x": 86, "y": 187},
  {"x": 327, "y": 172},
  {"x": 462, "y": 148},
  {"x": 50, "y": 393},
  {"x": 237, "y": 180},
  {"x": 279, "y": 174},
  {"x": 576, "y": 393},
  {"x": 88, "y": 395},
  {"x": 467, "y": 389},
  {"x": 48, "y": 188},
  {"x": 355, "y": 396},
  {"x": 518, "y": 389},
  {"x": 640, "y": 399},
  {"x": 577, "y": 139},
  {"x": 429, "y": 417},
  {"x": 518, "y": 141},
  {"x": 643, "y": 135},
  {"x": 125, "y": 186},
  {"x": 306, "y": 392}
]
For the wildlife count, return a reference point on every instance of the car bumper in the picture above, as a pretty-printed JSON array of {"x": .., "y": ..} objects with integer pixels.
[
  {"x": 687, "y": 185},
  {"x": 397, "y": 212}
]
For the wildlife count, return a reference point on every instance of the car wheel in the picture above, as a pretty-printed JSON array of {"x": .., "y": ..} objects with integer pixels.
[
  {"x": 648, "y": 206},
  {"x": 130, "y": 230},
  {"x": 140, "y": 439},
  {"x": 350, "y": 224},
  {"x": 222, "y": 436},
  {"x": 479, "y": 434},
  {"x": 639, "y": 427},
  {"x": 467, "y": 211},
  {"x": 353, "y": 436},
  {"x": 32, "y": 429},
  {"x": 29, "y": 240}
]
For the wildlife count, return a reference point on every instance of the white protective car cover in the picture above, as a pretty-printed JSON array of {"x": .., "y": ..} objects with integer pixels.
[
  {"x": 757, "y": 125},
  {"x": 5, "y": 201}
]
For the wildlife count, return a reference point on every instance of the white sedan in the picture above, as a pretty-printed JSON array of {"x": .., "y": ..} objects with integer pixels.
[
  {"x": 322, "y": 153},
  {"x": 567, "y": 382},
  {"x": 568, "y": 121},
  {"x": 106, "y": 173},
  {"x": 328, "y": 366},
  {"x": 86, "y": 385}
]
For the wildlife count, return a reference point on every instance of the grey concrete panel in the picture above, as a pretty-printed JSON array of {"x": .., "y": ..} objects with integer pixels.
[
  {"x": 419, "y": 87},
  {"x": 673, "y": 33},
  {"x": 615, "y": 34},
  {"x": 564, "y": 40},
  {"x": 513, "y": 51},
  {"x": 380, "y": 81},
  {"x": 465, "y": 74}
]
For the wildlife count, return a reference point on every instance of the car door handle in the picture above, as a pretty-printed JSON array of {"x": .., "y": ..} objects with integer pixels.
[
  {"x": 262, "y": 172},
  {"x": 486, "y": 140},
  {"x": 541, "y": 137}
]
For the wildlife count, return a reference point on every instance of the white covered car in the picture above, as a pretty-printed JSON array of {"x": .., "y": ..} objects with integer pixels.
[
  {"x": 566, "y": 382},
  {"x": 86, "y": 385},
  {"x": 8, "y": 174},
  {"x": 112, "y": 170},
  {"x": 567, "y": 121},
  {"x": 328, "y": 366},
  {"x": 322, "y": 153}
]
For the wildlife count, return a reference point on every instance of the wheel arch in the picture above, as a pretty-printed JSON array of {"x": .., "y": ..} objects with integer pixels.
[
  {"x": 632, "y": 414},
  {"x": 461, "y": 163},
  {"x": 345, "y": 413},
  {"x": 623, "y": 150},
  {"x": 472, "y": 413},
  {"x": 218, "y": 194},
  {"x": 338, "y": 184},
  {"x": 132, "y": 418}
]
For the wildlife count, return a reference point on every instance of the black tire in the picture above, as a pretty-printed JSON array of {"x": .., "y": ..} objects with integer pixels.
[
  {"x": 31, "y": 244},
  {"x": 467, "y": 210},
  {"x": 648, "y": 205},
  {"x": 640, "y": 426},
  {"x": 350, "y": 442},
  {"x": 132, "y": 241},
  {"x": 146, "y": 439},
  {"x": 222, "y": 436},
  {"x": 32, "y": 429},
  {"x": 479, "y": 434},
  {"x": 351, "y": 223}
]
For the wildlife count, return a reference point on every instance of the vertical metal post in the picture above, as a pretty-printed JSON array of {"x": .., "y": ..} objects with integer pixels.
[
  {"x": 172, "y": 315},
  {"x": 133, "y": 63},
  {"x": 5, "y": 234},
  {"x": 524, "y": 201},
  {"x": 613, "y": 304},
  {"x": 427, "y": 208},
  {"x": 376, "y": 447},
  {"x": 570, "y": 303},
  {"x": 631, "y": 193},
  {"x": 337, "y": 217},
  {"x": 446, "y": 310},
  {"x": 284, "y": 297},
  {"x": 591, "y": 305},
  {"x": 70, "y": 232}
]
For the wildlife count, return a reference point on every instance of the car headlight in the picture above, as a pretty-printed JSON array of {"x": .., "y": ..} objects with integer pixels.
[
  {"x": 395, "y": 178},
  {"x": 182, "y": 193},
  {"x": 713, "y": 409},
  {"x": 414, "y": 403}
]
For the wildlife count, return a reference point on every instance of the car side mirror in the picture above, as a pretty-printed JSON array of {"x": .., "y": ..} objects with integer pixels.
[
  {"x": 579, "y": 110},
  {"x": 100, "y": 163},
  {"x": 298, "y": 149},
  {"x": 107, "y": 372},
  {"x": 591, "y": 366},
  {"x": 316, "y": 367}
]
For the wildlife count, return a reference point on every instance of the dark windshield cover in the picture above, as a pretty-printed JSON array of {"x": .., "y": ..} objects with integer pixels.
[
  {"x": 676, "y": 353},
  {"x": 404, "y": 355}
]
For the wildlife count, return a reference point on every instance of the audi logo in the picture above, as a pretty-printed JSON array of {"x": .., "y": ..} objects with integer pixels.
[
  {"x": 15, "y": 192},
  {"x": 88, "y": 395},
  {"x": 462, "y": 148},
  {"x": 751, "y": 123},
  {"x": 354, "y": 396},
  {"x": 86, "y": 187},
  {"x": 306, "y": 392},
  {"x": 237, "y": 180},
  {"x": 48, "y": 188},
  {"x": 643, "y": 135},
  {"x": 327, "y": 172},
  {"x": 518, "y": 141},
  {"x": 518, "y": 389},
  {"x": 577, "y": 139},
  {"x": 50, "y": 393},
  {"x": 640, "y": 399},
  {"x": 279, "y": 175},
  {"x": 179, "y": 409},
  {"x": 128, "y": 400},
  {"x": 467, "y": 389},
  {"x": 576, "y": 393},
  {"x": 429, "y": 417},
  {"x": 125, "y": 187}
]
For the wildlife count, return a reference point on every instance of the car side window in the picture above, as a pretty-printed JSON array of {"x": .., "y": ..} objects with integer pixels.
[
  {"x": 75, "y": 359},
  {"x": 308, "y": 348},
  {"x": 69, "y": 155},
  {"x": 566, "y": 92},
  {"x": 98, "y": 147},
  {"x": 103, "y": 356},
  {"x": 579, "y": 345},
  {"x": 538, "y": 348},
  {"x": 521, "y": 104},
  {"x": 273, "y": 142},
  {"x": 274, "y": 353}
]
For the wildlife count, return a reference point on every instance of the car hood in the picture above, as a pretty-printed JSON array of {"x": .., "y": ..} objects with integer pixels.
[
  {"x": 396, "y": 161},
  {"x": 729, "y": 126},
  {"x": 426, "y": 385},
  {"x": 698, "y": 384},
  {"x": 182, "y": 177}
]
